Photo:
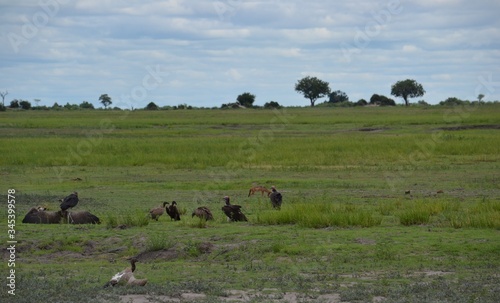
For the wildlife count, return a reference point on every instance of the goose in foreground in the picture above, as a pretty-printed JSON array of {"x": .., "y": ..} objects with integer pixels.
[
  {"x": 126, "y": 276},
  {"x": 233, "y": 212}
]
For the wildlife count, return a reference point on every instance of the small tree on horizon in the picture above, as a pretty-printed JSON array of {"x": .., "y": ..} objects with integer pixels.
[
  {"x": 338, "y": 96},
  {"x": 14, "y": 104},
  {"x": 105, "y": 100},
  {"x": 86, "y": 105},
  {"x": 152, "y": 106},
  {"x": 382, "y": 100},
  {"x": 312, "y": 88},
  {"x": 272, "y": 104},
  {"x": 246, "y": 99},
  {"x": 408, "y": 88},
  {"x": 3, "y": 95},
  {"x": 25, "y": 104}
]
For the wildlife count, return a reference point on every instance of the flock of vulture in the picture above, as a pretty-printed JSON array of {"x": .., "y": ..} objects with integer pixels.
[
  {"x": 233, "y": 212},
  {"x": 126, "y": 277}
]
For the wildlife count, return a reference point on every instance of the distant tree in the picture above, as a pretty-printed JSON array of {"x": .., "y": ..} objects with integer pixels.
[
  {"x": 272, "y": 104},
  {"x": 480, "y": 97},
  {"x": 105, "y": 100},
  {"x": 312, "y": 88},
  {"x": 338, "y": 96},
  {"x": 56, "y": 106},
  {"x": 183, "y": 106},
  {"x": 3, "y": 94},
  {"x": 423, "y": 103},
  {"x": 407, "y": 89},
  {"x": 246, "y": 99},
  {"x": 25, "y": 104},
  {"x": 230, "y": 105},
  {"x": 14, "y": 104},
  {"x": 452, "y": 101},
  {"x": 151, "y": 106},
  {"x": 382, "y": 100},
  {"x": 361, "y": 102},
  {"x": 71, "y": 106},
  {"x": 86, "y": 105}
]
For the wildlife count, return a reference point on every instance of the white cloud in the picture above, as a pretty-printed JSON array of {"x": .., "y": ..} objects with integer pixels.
[{"x": 234, "y": 74}]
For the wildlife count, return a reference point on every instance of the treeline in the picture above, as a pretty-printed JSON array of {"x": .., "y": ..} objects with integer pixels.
[
  {"x": 340, "y": 99},
  {"x": 336, "y": 99}
]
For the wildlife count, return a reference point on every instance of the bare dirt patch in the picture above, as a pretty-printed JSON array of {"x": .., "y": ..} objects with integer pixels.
[
  {"x": 165, "y": 254},
  {"x": 465, "y": 127},
  {"x": 373, "y": 129},
  {"x": 236, "y": 296}
]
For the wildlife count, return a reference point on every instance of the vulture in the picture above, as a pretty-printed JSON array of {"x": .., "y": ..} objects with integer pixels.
[
  {"x": 276, "y": 198},
  {"x": 203, "y": 212},
  {"x": 156, "y": 212},
  {"x": 126, "y": 276},
  {"x": 172, "y": 211},
  {"x": 233, "y": 212},
  {"x": 38, "y": 215},
  {"x": 69, "y": 202},
  {"x": 80, "y": 217}
]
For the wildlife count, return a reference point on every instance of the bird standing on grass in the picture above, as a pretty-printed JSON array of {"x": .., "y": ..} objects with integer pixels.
[
  {"x": 156, "y": 212},
  {"x": 69, "y": 202},
  {"x": 233, "y": 212},
  {"x": 172, "y": 211},
  {"x": 276, "y": 198},
  {"x": 203, "y": 212}
]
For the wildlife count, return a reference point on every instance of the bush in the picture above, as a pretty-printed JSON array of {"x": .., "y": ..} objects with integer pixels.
[
  {"x": 382, "y": 100},
  {"x": 151, "y": 106},
  {"x": 272, "y": 104},
  {"x": 86, "y": 105},
  {"x": 452, "y": 101}
]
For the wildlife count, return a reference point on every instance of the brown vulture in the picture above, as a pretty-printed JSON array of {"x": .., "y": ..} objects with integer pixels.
[
  {"x": 156, "y": 212},
  {"x": 203, "y": 212},
  {"x": 69, "y": 202},
  {"x": 276, "y": 198},
  {"x": 233, "y": 212},
  {"x": 172, "y": 211}
]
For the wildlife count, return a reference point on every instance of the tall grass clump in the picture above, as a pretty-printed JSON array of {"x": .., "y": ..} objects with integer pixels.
[
  {"x": 320, "y": 215},
  {"x": 414, "y": 217},
  {"x": 137, "y": 219},
  {"x": 485, "y": 214},
  {"x": 420, "y": 212},
  {"x": 200, "y": 223},
  {"x": 158, "y": 242}
]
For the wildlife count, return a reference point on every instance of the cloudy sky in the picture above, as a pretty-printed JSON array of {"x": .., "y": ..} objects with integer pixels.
[{"x": 205, "y": 53}]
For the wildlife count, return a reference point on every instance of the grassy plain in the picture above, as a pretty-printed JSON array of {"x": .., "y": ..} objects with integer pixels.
[{"x": 348, "y": 230}]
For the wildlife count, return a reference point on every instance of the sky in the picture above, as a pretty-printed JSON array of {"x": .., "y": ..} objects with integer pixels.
[{"x": 205, "y": 53}]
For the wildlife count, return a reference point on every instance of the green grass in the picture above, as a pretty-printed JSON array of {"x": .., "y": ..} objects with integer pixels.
[{"x": 346, "y": 227}]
